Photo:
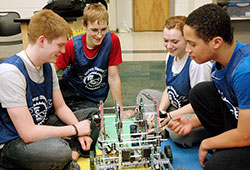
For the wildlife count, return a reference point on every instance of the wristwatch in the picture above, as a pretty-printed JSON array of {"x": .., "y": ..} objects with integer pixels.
[{"x": 163, "y": 114}]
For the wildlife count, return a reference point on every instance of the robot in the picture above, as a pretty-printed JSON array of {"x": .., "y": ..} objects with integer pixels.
[{"x": 136, "y": 149}]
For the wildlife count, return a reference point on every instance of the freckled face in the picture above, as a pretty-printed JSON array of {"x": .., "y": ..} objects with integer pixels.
[
  {"x": 174, "y": 42},
  {"x": 199, "y": 50}
]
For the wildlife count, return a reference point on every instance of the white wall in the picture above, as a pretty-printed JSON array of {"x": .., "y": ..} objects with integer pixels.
[
  {"x": 112, "y": 6},
  {"x": 184, "y": 7},
  {"x": 124, "y": 14}
]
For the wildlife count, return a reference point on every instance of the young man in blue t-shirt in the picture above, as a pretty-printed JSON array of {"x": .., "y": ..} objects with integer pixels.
[{"x": 223, "y": 105}]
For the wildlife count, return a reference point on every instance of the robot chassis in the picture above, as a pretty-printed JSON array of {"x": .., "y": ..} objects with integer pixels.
[{"x": 140, "y": 150}]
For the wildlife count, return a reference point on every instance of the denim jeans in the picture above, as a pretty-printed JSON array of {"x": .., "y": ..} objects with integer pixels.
[
  {"x": 49, "y": 153},
  {"x": 52, "y": 153}
]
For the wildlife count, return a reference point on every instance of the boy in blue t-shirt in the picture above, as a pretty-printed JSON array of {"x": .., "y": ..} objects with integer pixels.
[{"x": 223, "y": 105}]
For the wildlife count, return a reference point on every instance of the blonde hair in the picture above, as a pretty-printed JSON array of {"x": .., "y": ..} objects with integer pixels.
[
  {"x": 95, "y": 12},
  {"x": 49, "y": 24},
  {"x": 176, "y": 22}
]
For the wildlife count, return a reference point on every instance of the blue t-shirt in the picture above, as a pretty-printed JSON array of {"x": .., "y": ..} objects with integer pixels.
[
  {"x": 233, "y": 81},
  {"x": 38, "y": 96},
  {"x": 89, "y": 76}
]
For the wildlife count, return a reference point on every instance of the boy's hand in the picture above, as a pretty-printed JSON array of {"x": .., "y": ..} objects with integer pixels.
[
  {"x": 150, "y": 121},
  {"x": 83, "y": 128},
  {"x": 180, "y": 125}
]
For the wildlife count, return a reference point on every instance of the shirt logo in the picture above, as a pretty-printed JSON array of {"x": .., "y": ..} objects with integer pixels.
[
  {"x": 175, "y": 99},
  {"x": 40, "y": 108},
  {"x": 94, "y": 78},
  {"x": 234, "y": 110}
]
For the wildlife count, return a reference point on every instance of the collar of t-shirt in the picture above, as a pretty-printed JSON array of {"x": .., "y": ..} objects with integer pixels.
[{"x": 89, "y": 53}]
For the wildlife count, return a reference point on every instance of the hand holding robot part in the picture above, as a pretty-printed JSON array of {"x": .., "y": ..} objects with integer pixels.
[
  {"x": 150, "y": 121},
  {"x": 83, "y": 128},
  {"x": 163, "y": 119},
  {"x": 129, "y": 113}
]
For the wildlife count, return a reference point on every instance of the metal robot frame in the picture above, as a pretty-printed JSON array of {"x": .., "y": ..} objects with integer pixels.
[{"x": 139, "y": 149}]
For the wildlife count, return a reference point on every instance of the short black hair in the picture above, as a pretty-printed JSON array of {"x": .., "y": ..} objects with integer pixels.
[{"x": 209, "y": 21}]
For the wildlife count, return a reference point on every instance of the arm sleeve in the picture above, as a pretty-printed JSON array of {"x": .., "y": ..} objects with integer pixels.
[
  {"x": 241, "y": 82},
  {"x": 68, "y": 57},
  {"x": 115, "y": 56},
  {"x": 55, "y": 79},
  {"x": 199, "y": 72},
  {"x": 12, "y": 87}
]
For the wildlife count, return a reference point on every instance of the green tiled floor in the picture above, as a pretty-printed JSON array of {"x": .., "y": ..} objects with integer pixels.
[
  {"x": 110, "y": 126},
  {"x": 135, "y": 76},
  {"x": 139, "y": 75}
]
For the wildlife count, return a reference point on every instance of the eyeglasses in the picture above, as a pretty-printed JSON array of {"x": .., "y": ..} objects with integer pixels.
[{"x": 96, "y": 31}]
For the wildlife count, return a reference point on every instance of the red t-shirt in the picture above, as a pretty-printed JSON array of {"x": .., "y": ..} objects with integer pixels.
[{"x": 68, "y": 57}]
